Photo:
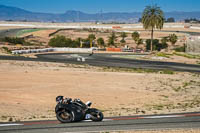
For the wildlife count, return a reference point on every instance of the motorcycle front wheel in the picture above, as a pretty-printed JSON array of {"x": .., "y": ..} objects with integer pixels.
[
  {"x": 96, "y": 115},
  {"x": 65, "y": 116}
]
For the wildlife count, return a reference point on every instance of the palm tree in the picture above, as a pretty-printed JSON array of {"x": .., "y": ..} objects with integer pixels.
[
  {"x": 153, "y": 18},
  {"x": 173, "y": 38},
  {"x": 123, "y": 35},
  {"x": 100, "y": 42},
  {"x": 79, "y": 40},
  {"x": 135, "y": 36},
  {"x": 139, "y": 41},
  {"x": 91, "y": 37},
  {"x": 112, "y": 38}
]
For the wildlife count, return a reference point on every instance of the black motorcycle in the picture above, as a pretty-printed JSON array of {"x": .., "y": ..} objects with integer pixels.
[{"x": 68, "y": 110}]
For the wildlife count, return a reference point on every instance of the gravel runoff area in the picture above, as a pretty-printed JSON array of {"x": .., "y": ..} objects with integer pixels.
[{"x": 28, "y": 90}]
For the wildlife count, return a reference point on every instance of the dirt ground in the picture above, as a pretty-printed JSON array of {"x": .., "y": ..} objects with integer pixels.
[
  {"x": 154, "y": 57},
  {"x": 28, "y": 90}
]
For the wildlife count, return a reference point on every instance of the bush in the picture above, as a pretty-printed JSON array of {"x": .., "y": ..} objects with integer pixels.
[
  {"x": 7, "y": 50},
  {"x": 16, "y": 40},
  {"x": 163, "y": 55},
  {"x": 75, "y": 44},
  {"x": 101, "y": 42},
  {"x": 60, "y": 41},
  {"x": 180, "y": 49},
  {"x": 156, "y": 45},
  {"x": 86, "y": 43}
]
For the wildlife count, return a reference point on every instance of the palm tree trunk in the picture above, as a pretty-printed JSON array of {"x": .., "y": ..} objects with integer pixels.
[
  {"x": 152, "y": 39},
  {"x": 90, "y": 43}
]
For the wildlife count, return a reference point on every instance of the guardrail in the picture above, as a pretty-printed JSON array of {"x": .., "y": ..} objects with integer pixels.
[{"x": 81, "y": 50}]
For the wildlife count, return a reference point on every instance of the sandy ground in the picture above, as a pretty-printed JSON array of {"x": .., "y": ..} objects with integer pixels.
[
  {"x": 41, "y": 36},
  {"x": 28, "y": 90},
  {"x": 154, "y": 57}
]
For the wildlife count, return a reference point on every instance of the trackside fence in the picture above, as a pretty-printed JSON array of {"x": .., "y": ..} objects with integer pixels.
[{"x": 79, "y": 50}]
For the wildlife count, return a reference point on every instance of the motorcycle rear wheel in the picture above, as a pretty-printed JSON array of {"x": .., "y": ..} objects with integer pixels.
[{"x": 65, "y": 116}]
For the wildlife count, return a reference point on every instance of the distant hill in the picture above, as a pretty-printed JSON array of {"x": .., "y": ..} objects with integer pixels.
[{"x": 17, "y": 14}]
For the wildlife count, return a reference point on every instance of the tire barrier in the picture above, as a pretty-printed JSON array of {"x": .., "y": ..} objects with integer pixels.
[{"x": 79, "y": 50}]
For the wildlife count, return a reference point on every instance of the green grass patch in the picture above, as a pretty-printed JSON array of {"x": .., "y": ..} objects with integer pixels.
[
  {"x": 167, "y": 72},
  {"x": 180, "y": 49},
  {"x": 21, "y": 32},
  {"x": 160, "y": 54},
  {"x": 190, "y": 56}
]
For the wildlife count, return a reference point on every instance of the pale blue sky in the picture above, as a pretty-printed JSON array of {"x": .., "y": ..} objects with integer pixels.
[{"x": 95, "y": 6}]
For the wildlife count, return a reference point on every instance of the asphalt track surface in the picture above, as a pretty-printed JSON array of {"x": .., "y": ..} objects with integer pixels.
[
  {"x": 107, "y": 60},
  {"x": 126, "y": 123},
  {"x": 13, "y": 32}
]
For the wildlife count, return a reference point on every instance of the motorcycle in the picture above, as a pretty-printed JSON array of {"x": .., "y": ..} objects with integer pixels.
[{"x": 68, "y": 110}]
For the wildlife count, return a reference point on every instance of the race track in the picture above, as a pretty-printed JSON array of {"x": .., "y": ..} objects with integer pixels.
[
  {"x": 107, "y": 60},
  {"x": 127, "y": 123},
  {"x": 170, "y": 121},
  {"x": 11, "y": 32}
]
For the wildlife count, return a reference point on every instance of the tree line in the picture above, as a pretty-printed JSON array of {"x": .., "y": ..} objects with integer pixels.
[{"x": 92, "y": 41}]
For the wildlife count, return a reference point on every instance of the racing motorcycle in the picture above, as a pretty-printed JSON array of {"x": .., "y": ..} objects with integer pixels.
[{"x": 68, "y": 110}]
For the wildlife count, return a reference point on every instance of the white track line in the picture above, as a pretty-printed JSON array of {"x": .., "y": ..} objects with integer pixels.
[
  {"x": 102, "y": 120},
  {"x": 14, "y": 124},
  {"x": 164, "y": 116}
]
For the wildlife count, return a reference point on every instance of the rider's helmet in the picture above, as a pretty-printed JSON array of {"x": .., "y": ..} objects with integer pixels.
[{"x": 59, "y": 98}]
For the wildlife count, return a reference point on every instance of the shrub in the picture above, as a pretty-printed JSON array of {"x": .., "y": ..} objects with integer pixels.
[
  {"x": 101, "y": 42},
  {"x": 111, "y": 39},
  {"x": 7, "y": 50},
  {"x": 75, "y": 44},
  {"x": 180, "y": 49},
  {"x": 16, "y": 40},
  {"x": 173, "y": 38},
  {"x": 156, "y": 45},
  {"x": 60, "y": 41},
  {"x": 86, "y": 43},
  {"x": 135, "y": 36}
]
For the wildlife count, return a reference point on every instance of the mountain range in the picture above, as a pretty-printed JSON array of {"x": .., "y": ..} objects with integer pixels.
[{"x": 8, "y": 13}]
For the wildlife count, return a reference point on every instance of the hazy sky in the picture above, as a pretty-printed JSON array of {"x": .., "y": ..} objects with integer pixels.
[{"x": 95, "y": 6}]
